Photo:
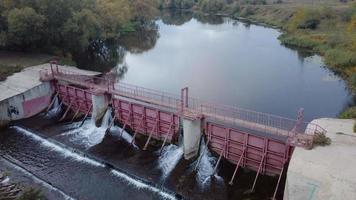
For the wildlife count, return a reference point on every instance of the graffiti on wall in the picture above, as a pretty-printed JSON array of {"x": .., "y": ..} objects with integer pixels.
[{"x": 12, "y": 110}]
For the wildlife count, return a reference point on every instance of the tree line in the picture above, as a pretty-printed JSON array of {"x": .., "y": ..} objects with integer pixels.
[{"x": 59, "y": 25}]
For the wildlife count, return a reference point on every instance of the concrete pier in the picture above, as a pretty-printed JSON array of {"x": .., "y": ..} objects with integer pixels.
[
  {"x": 191, "y": 137},
  {"x": 100, "y": 105},
  {"x": 325, "y": 172},
  {"x": 23, "y": 95}
]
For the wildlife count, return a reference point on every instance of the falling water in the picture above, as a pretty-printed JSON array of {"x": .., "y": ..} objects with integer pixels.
[
  {"x": 205, "y": 169},
  {"x": 89, "y": 135},
  {"x": 54, "y": 110},
  {"x": 169, "y": 158},
  {"x": 78, "y": 156}
]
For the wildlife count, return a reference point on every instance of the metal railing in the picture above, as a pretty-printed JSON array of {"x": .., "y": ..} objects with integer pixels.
[{"x": 228, "y": 114}]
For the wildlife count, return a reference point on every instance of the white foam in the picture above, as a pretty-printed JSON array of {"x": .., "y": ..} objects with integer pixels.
[
  {"x": 206, "y": 167},
  {"x": 116, "y": 131},
  {"x": 43, "y": 183},
  {"x": 55, "y": 110},
  {"x": 140, "y": 185},
  {"x": 169, "y": 158},
  {"x": 6, "y": 180},
  {"x": 54, "y": 147},
  {"x": 89, "y": 135},
  {"x": 67, "y": 153}
]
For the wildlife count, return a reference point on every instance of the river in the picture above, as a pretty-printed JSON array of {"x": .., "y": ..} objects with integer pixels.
[{"x": 221, "y": 60}]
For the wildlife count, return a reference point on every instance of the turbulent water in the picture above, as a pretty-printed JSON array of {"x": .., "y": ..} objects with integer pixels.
[{"x": 169, "y": 158}]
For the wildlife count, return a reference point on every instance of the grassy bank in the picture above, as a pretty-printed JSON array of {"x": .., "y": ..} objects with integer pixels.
[
  {"x": 329, "y": 31},
  {"x": 12, "y": 62}
]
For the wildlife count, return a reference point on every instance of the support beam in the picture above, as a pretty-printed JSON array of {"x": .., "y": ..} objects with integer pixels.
[
  {"x": 66, "y": 112},
  {"x": 202, "y": 154},
  {"x": 279, "y": 180},
  {"x": 166, "y": 137},
  {"x": 237, "y": 167},
  {"x": 125, "y": 124},
  {"x": 76, "y": 113},
  {"x": 150, "y": 136},
  {"x": 136, "y": 131},
  {"x": 258, "y": 172},
  {"x": 86, "y": 115},
  {"x": 217, "y": 163},
  {"x": 52, "y": 102},
  {"x": 111, "y": 124}
]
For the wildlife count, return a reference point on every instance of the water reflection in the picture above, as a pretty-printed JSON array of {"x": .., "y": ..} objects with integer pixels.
[
  {"x": 209, "y": 19},
  {"x": 105, "y": 55},
  {"x": 100, "y": 56},
  {"x": 224, "y": 61},
  {"x": 176, "y": 17},
  {"x": 144, "y": 39}
]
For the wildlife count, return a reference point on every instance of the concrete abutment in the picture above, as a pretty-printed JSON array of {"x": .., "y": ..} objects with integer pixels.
[{"x": 192, "y": 133}]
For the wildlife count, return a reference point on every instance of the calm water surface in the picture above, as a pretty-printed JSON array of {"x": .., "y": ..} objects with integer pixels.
[{"x": 233, "y": 63}]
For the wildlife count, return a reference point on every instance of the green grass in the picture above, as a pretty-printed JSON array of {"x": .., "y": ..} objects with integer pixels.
[
  {"x": 6, "y": 71},
  {"x": 349, "y": 113},
  {"x": 12, "y": 62}
]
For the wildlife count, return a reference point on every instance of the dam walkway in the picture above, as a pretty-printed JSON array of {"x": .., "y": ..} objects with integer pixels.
[{"x": 258, "y": 141}]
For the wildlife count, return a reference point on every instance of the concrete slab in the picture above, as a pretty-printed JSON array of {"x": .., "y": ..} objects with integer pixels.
[
  {"x": 29, "y": 78},
  {"x": 325, "y": 172}
]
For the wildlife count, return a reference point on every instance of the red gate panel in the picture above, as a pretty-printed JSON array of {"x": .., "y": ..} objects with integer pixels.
[
  {"x": 147, "y": 120},
  {"x": 76, "y": 97},
  {"x": 272, "y": 153}
]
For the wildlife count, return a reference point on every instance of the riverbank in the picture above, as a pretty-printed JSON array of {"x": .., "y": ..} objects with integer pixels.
[
  {"x": 313, "y": 175},
  {"x": 13, "y": 62},
  {"x": 326, "y": 29}
]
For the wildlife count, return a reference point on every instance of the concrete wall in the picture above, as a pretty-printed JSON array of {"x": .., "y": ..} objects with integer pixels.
[
  {"x": 191, "y": 137},
  {"x": 100, "y": 105},
  {"x": 26, "y": 104}
]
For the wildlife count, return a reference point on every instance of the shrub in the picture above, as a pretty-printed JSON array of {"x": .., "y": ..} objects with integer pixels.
[
  {"x": 321, "y": 139},
  {"x": 340, "y": 58},
  {"x": 349, "y": 113},
  {"x": 297, "y": 41},
  {"x": 32, "y": 194},
  {"x": 247, "y": 11},
  {"x": 211, "y": 5},
  {"x": 304, "y": 18}
]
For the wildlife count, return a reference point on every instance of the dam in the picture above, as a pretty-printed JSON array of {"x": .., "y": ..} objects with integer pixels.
[{"x": 248, "y": 139}]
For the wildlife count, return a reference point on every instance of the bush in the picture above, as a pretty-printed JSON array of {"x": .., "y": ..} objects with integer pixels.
[
  {"x": 347, "y": 15},
  {"x": 211, "y": 5},
  {"x": 349, "y": 113},
  {"x": 32, "y": 194},
  {"x": 304, "y": 18},
  {"x": 297, "y": 41},
  {"x": 340, "y": 58},
  {"x": 247, "y": 11},
  {"x": 321, "y": 139}
]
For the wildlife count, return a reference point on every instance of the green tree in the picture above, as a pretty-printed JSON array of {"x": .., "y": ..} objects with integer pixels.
[
  {"x": 81, "y": 30},
  {"x": 25, "y": 27}
]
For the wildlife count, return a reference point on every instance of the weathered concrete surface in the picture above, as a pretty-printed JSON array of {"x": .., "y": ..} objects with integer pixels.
[
  {"x": 325, "y": 172},
  {"x": 191, "y": 137},
  {"x": 29, "y": 78},
  {"x": 24, "y": 95},
  {"x": 100, "y": 105}
]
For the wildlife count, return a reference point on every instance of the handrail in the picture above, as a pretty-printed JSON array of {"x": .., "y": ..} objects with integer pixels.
[{"x": 230, "y": 114}]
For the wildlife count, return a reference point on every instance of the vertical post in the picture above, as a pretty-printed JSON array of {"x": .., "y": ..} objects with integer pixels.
[
  {"x": 184, "y": 98},
  {"x": 299, "y": 121}
]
